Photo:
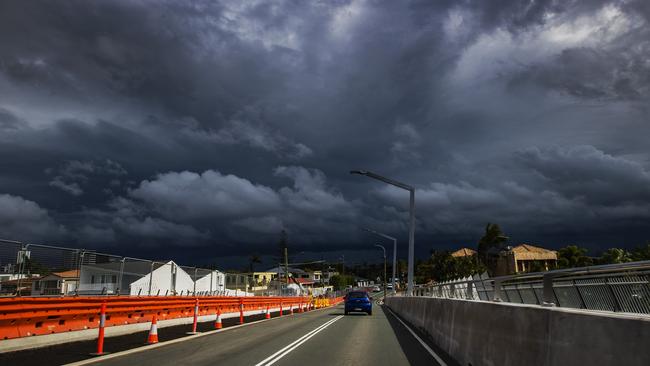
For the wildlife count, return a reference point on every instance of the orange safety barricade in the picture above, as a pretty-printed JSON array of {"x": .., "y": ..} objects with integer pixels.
[{"x": 30, "y": 316}]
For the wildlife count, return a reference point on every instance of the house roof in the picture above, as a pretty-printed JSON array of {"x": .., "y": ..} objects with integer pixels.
[
  {"x": 531, "y": 252},
  {"x": 304, "y": 281},
  {"x": 464, "y": 252},
  {"x": 73, "y": 273}
]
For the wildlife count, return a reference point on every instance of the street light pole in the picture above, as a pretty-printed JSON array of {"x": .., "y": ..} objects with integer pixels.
[
  {"x": 385, "y": 279},
  {"x": 411, "y": 189},
  {"x": 394, "y": 254}
]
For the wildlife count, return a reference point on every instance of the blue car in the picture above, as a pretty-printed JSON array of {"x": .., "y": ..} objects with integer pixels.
[{"x": 358, "y": 301}]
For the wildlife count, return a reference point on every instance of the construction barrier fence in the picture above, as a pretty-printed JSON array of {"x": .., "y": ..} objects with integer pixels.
[{"x": 31, "y": 316}]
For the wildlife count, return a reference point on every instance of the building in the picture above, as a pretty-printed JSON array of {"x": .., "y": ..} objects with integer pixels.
[
  {"x": 262, "y": 279},
  {"x": 524, "y": 258},
  {"x": 57, "y": 283},
  {"x": 238, "y": 281},
  {"x": 305, "y": 283},
  {"x": 463, "y": 252},
  {"x": 362, "y": 282},
  {"x": 326, "y": 275},
  {"x": 141, "y": 278},
  {"x": 279, "y": 272},
  {"x": 315, "y": 276},
  {"x": 18, "y": 284},
  {"x": 215, "y": 281}
]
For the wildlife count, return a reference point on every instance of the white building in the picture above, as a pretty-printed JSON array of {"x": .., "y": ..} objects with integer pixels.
[
  {"x": 166, "y": 279},
  {"x": 214, "y": 282},
  {"x": 140, "y": 278}
]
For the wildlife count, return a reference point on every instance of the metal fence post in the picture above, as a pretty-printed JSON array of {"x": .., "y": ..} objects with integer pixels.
[
  {"x": 470, "y": 294},
  {"x": 548, "y": 297},
  {"x": 21, "y": 266},
  {"x": 194, "y": 290},
  {"x": 80, "y": 258},
  {"x": 497, "y": 291},
  {"x": 119, "y": 286},
  {"x": 151, "y": 277}
]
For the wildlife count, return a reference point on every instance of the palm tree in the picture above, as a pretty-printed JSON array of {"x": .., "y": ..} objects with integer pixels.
[
  {"x": 573, "y": 256},
  {"x": 641, "y": 253},
  {"x": 615, "y": 255},
  {"x": 493, "y": 238},
  {"x": 252, "y": 260}
]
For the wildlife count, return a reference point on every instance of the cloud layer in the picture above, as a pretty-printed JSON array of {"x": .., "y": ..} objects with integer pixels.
[{"x": 128, "y": 124}]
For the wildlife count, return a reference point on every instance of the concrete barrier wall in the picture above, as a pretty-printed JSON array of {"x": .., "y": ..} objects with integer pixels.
[{"x": 501, "y": 334}]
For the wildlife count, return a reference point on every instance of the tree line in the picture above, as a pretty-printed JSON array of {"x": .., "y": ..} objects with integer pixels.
[{"x": 441, "y": 266}]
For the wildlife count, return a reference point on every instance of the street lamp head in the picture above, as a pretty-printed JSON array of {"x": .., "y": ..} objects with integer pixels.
[{"x": 360, "y": 172}]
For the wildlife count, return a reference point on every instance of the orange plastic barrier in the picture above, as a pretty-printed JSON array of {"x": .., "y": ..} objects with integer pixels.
[{"x": 29, "y": 316}]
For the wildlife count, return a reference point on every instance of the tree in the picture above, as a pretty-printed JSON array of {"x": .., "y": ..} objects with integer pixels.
[
  {"x": 468, "y": 266},
  {"x": 573, "y": 256},
  {"x": 340, "y": 282},
  {"x": 442, "y": 266},
  {"x": 493, "y": 238},
  {"x": 641, "y": 253},
  {"x": 615, "y": 255}
]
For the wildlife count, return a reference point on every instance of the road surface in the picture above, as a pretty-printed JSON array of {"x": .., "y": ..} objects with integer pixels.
[{"x": 322, "y": 337}]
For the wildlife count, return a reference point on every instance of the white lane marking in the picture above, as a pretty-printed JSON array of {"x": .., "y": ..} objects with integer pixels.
[
  {"x": 426, "y": 346},
  {"x": 295, "y": 344}
]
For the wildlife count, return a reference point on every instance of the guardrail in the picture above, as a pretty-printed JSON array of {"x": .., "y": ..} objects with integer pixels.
[
  {"x": 22, "y": 317},
  {"x": 621, "y": 287}
]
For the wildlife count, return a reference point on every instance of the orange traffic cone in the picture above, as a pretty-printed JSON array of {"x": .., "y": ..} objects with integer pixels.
[
  {"x": 217, "y": 323},
  {"x": 153, "y": 332},
  {"x": 268, "y": 314}
]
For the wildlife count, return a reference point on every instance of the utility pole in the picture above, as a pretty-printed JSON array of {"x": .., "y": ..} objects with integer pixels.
[
  {"x": 286, "y": 265},
  {"x": 284, "y": 247}
]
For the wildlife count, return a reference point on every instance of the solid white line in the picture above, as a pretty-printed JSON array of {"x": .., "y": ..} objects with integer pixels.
[
  {"x": 294, "y": 342},
  {"x": 426, "y": 346},
  {"x": 293, "y": 345},
  {"x": 301, "y": 342}
]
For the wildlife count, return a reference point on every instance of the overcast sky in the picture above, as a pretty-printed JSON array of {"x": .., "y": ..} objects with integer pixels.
[{"x": 201, "y": 129}]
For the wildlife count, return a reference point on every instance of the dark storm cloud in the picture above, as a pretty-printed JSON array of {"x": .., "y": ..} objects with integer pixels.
[
  {"x": 8, "y": 121},
  {"x": 173, "y": 124},
  {"x": 26, "y": 219}
]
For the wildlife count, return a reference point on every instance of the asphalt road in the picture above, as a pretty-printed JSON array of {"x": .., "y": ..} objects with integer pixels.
[{"x": 323, "y": 337}]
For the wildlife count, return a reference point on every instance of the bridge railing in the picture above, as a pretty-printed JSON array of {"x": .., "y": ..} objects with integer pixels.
[{"x": 621, "y": 287}]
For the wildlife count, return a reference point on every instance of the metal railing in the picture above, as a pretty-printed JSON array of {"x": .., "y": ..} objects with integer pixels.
[{"x": 621, "y": 287}]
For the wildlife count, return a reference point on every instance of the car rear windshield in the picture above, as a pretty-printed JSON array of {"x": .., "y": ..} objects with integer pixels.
[{"x": 357, "y": 295}]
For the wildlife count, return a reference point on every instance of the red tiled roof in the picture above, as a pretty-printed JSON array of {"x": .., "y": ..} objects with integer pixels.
[
  {"x": 73, "y": 273},
  {"x": 304, "y": 281}
]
